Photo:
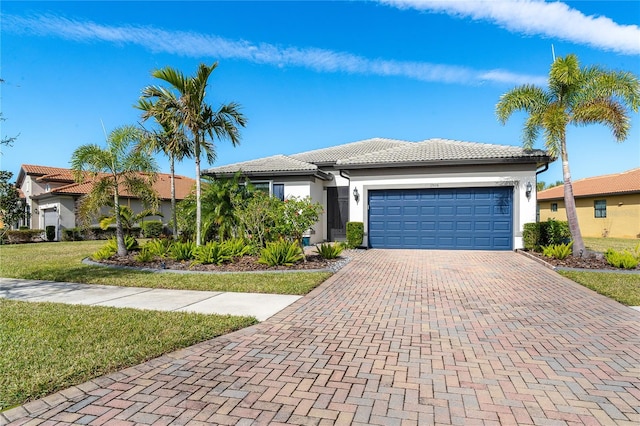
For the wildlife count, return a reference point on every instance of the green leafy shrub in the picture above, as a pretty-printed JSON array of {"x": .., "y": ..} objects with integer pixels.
[
  {"x": 72, "y": 234},
  {"x": 621, "y": 259},
  {"x": 23, "y": 236},
  {"x": 355, "y": 234},
  {"x": 281, "y": 252},
  {"x": 145, "y": 255},
  {"x": 555, "y": 232},
  {"x": 182, "y": 251},
  {"x": 212, "y": 252},
  {"x": 152, "y": 229},
  {"x": 104, "y": 253},
  {"x": 238, "y": 247},
  {"x": 50, "y": 232},
  {"x": 160, "y": 247},
  {"x": 531, "y": 233},
  {"x": 558, "y": 251},
  {"x": 329, "y": 251}
]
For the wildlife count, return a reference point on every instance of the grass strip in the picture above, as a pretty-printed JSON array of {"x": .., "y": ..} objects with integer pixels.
[
  {"x": 46, "y": 347},
  {"x": 61, "y": 261},
  {"x": 625, "y": 288}
]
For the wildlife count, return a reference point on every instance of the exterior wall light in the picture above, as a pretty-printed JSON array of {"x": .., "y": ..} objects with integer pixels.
[
  {"x": 529, "y": 188},
  {"x": 356, "y": 195}
]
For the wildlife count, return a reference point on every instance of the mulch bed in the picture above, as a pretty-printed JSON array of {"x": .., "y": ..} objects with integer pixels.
[
  {"x": 244, "y": 264},
  {"x": 590, "y": 261}
]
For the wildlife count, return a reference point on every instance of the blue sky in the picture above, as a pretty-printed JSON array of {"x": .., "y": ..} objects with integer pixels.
[{"x": 307, "y": 74}]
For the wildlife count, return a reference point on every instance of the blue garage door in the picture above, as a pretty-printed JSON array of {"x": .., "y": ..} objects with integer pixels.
[{"x": 451, "y": 218}]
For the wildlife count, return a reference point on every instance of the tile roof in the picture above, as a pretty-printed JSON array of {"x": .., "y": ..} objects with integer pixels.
[
  {"x": 340, "y": 152},
  {"x": 162, "y": 185},
  {"x": 618, "y": 183},
  {"x": 378, "y": 152},
  {"x": 440, "y": 150},
  {"x": 273, "y": 164}
]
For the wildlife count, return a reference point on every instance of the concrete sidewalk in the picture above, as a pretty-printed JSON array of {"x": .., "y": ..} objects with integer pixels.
[{"x": 260, "y": 306}]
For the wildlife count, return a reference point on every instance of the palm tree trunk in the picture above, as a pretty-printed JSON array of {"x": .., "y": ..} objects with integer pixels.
[
  {"x": 570, "y": 204},
  {"x": 174, "y": 216},
  {"x": 122, "y": 249},
  {"x": 198, "y": 206}
]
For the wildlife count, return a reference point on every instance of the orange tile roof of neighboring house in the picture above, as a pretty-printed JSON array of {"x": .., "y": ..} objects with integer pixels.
[
  {"x": 43, "y": 170},
  {"x": 619, "y": 183},
  {"x": 162, "y": 185}
]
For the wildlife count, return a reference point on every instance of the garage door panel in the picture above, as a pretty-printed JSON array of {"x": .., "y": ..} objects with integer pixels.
[{"x": 436, "y": 218}]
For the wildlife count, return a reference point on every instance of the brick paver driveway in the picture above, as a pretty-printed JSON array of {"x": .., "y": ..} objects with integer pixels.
[{"x": 396, "y": 337}]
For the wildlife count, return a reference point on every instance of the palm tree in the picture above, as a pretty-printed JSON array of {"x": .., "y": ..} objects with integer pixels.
[
  {"x": 116, "y": 168},
  {"x": 577, "y": 96},
  {"x": 186, "y": 103},
  {"x": 171, "y": 141}
]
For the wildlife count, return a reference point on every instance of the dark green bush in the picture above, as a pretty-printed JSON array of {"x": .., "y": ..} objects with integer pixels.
[
  {"x": 24, "y": 236},
  {"x": 72, "y": 234},
  {"x": 50, "y": 232},
  {"x": 152, "y": 229},
  {"x": 549, "y": 233},
  {"x": 355, "y": 234},
  {"x": 531, "y": 236}
]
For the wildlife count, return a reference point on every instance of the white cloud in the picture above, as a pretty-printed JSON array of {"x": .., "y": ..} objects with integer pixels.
[
  {"x": 198, "y": 45},
  {"x": 554, "y": 20}
]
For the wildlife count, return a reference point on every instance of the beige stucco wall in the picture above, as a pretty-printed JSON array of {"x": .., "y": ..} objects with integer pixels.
[{"x": 622, "y": 221}]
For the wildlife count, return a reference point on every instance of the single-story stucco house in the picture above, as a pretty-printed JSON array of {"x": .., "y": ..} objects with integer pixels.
[
  {"x": 436, "y": 193},
  {"x": 51, "y": 196},
  {"x": 607, "y": 206}
]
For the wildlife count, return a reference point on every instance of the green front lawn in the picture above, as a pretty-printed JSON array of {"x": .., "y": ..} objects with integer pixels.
[
  {"x": 619, "y": 244},
  {"x": 62, "y": 262},
  {"x": 625, "y": 288},
  {"x": 46, "y": 347}
]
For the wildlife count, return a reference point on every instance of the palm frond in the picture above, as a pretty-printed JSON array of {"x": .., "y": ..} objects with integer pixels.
[{"x": 605, "y": 111}]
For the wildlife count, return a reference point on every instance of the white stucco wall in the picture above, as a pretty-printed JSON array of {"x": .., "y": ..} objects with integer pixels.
[{"x": 524, "y": 210}]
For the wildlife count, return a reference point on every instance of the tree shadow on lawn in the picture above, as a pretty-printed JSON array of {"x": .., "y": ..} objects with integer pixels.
[{"x": 79, "y": 274}]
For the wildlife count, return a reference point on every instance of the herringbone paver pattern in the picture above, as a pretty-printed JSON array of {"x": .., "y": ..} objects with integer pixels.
[{"x": 396, "y": 337}]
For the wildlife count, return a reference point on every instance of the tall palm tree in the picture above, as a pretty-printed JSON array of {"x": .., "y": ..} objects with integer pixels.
[
  {"x": 577, "y": 96},
  {"x": 185, "y": 101},
  {"x": 112, "y": 170},
  {"x": 170, "y": 140}
]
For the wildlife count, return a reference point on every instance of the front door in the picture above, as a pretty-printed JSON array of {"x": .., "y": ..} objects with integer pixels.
[{"x": 337, "y": 212}]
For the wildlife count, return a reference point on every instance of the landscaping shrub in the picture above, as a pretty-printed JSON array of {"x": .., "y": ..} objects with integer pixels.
[
  {"x": 152, "y": 229},
  {"x": 556, "y": 232},
  {"x": 72, "y": 234},
  {"x": 281, "y": 252},
  {"x": 238, "y": 247},
  {"x": 329, "y": 251},
  {"x": 145, "y": 255},
  {"x": 50, "y": 232},
  {"x": 355, "y": 234},
  {"x": 213, "y": 252},
  {"x": 621, "y": 259},
  {"x": 531, "y": 236},
  {"x": 540, "y": 234},
  {"x": 23, "y": 236},
  {"x": 558, "y": 251},
  {"x": 183, "y": 251},
  {"x": 159, "y": 247},
  {"x": 111, "y": 247}
]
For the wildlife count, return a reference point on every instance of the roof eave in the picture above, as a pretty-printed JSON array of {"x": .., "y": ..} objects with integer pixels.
[
  {"x": 314, "y": 173},
  {"x": 537, "y": 160}
]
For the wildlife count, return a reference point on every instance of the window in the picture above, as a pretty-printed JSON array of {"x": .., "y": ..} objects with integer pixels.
[
  {"x": 278, "y": 191},
  {"x": 275, "y": 189},
  {"x": 600, "y": 208},
  {"x": 554, "y": 207}
]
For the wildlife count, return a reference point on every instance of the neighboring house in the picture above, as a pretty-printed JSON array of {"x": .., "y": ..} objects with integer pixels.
[
  {"x": 438, "y": 193},
  {"x": 607, "y": 206},
  {"x": 52, "y": 195}
]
